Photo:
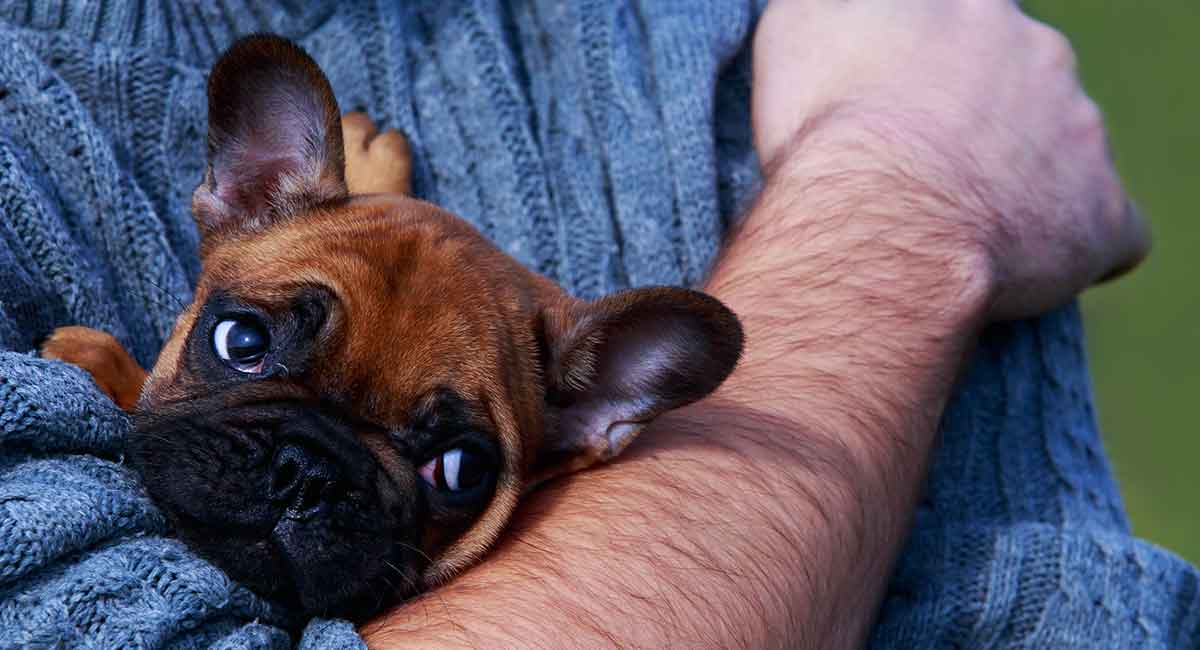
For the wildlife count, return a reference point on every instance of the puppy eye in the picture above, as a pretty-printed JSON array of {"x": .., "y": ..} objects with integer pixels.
[
  {"x": 456, "y": 470},
  {"x": 241, "y": 343}
]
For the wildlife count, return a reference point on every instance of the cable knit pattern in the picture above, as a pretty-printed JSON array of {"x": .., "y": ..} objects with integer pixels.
[{"x": 605, "y": 144}]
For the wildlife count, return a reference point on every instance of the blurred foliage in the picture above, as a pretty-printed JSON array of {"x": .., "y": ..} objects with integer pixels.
[{"x": 1141, "y": 62}]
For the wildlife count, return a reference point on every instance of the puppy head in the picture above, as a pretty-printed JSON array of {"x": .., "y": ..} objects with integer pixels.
[{"x": 363, "y": 386}]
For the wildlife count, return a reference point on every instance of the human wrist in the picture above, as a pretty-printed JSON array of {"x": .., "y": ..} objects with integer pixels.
[
  {"x": 872, "y": 181},
  {"x": 858, "y": 272}
]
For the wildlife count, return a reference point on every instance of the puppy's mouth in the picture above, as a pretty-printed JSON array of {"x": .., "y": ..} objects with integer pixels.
[{"x": 282, "y": 496}]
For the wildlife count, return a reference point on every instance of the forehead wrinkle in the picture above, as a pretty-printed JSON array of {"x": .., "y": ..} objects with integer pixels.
[
  {"x": 272, "y": 269},
  {"x": 434, "y": 312},
  {"x": 419, "y": 357}
]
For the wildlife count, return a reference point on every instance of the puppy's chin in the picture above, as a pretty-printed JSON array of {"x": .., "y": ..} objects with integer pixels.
[{"x": 331, "y": 537}]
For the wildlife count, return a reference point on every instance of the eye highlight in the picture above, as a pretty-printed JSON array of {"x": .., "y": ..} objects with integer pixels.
[
  {"x": 456, "y": 470},
  {"x": 242, "y": 343}
]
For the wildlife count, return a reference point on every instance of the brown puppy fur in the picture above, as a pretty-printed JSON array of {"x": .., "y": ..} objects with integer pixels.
[
  {"x": 115, "y": 372},
  {"x": 402, "y": 328}
]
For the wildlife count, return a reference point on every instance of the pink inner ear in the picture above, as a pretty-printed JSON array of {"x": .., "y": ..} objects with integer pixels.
[
  {"x": 631, "y": 356},
  {"x": 637, "y": 359},
  {"x": 631, "y": 385},
  {"x": 274, "y": 137},
  {"x": 250, "y": 184}
]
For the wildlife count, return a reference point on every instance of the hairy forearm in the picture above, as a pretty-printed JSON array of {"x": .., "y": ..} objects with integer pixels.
[
  {"x": 768, "y": 515},
  {"x": 861, "y": 310}
]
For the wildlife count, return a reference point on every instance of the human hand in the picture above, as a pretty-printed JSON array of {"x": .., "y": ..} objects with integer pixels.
[{"x": 971, "y": 99}]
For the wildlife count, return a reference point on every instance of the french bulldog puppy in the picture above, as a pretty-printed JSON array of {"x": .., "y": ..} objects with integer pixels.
[{"x": 364, "y": 386}]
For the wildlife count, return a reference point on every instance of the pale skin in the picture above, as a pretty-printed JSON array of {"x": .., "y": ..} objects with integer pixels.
[{"x": 932, "y": 166}]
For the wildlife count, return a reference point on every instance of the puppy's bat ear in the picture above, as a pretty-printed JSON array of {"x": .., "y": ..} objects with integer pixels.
[
  {"x": 274, "y": 138},
  {"x": 613, "y": 365}
]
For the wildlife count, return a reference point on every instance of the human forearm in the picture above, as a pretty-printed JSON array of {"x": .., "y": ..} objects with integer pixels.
[
  {"x": 768, "y": 514},
  {"x": 860, "y": 308}
]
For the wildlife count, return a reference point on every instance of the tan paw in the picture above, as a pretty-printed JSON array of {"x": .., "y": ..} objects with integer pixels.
[
  {"x": 114, "y": 371},
  {"x": 375, "y": 162}
]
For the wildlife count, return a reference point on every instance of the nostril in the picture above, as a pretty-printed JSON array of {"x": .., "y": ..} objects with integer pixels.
[
  {"x": 302, "y": 480},
  {"x": 286, "y": 473}
]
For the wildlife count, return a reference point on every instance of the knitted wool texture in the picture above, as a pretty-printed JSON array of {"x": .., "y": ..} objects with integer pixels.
[{"x": 605, "y": 144}]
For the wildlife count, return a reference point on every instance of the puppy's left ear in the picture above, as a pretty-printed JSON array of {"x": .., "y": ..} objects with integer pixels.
[
  {"x": 613, "y": 365},
  {"x": 274, "y": 138}
]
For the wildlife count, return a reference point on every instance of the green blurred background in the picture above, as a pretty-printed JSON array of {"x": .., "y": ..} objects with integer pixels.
[{"x": 1140, "y": 60}]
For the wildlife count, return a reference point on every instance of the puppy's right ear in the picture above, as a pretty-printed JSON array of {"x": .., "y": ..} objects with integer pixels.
[
  {"x": 274, "y": 138},
  {"x": 613, "y": 365}
]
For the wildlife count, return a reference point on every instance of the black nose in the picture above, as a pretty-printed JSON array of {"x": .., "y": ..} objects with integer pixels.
[{"x": 304, "y": 479}]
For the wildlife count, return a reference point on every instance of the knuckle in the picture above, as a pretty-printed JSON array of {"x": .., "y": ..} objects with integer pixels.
[
  {"x": 1057, "y": 47},
  {"x": 1065, "y": 58},
  {"x": 1088, "y": 119}
]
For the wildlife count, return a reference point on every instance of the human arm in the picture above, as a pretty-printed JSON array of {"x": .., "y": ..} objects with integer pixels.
[
  {"x": 765, "y": 516},
  {"x": 769, "y": 514}
]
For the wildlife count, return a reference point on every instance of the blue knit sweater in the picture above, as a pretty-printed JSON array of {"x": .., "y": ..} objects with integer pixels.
[{"x": 605, "y": 144}]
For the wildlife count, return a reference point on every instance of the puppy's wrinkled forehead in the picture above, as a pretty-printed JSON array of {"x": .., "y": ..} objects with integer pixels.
[{"x": 413, "y": 302}]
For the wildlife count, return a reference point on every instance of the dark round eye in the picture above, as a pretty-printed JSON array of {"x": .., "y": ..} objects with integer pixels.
[
  {"x": 456, "y": 470},
  {"x": 241, "y": 343}
]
